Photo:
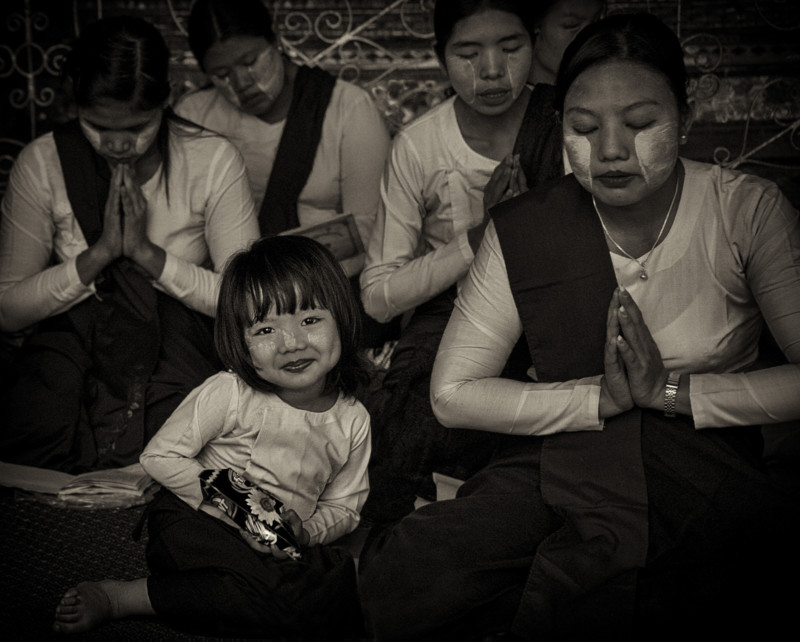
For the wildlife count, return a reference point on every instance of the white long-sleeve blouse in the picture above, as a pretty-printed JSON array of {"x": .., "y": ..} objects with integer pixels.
[
  {"x": 348, "y": 163},
  {"x": 431, "y": 195},
  {"x": 208, "y": 215},
  {"x": 731, "y": 259}
]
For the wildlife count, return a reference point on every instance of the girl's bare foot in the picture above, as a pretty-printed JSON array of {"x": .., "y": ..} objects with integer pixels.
[
  {"x": 89, "y": 604},
  {"x": 84, "y": 607}
]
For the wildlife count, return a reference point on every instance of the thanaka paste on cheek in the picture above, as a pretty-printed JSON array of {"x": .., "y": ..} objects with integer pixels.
[
  {"x": 657, "y": 151},
  {"x": 518, "y": 67},
  {"x": 141, "y": 144},
  {"x": 146, "y": 137},
  {"x": 579, "y": 152},
  {"x": 260, "y": 343},
  {"x": 463, "y": 78},
  {"x": 267, "y": 73},
  {"x": 91, "y": 134},
  {"x": 261, "y": 348}
]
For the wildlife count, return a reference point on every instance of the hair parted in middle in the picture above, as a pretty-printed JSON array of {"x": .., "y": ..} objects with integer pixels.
[
  {"x": 212, "y": 21},
  {"x": 290, "y": 273},
  {"x": 640, "y": 38},
  {"x": 448, "y": 13}
]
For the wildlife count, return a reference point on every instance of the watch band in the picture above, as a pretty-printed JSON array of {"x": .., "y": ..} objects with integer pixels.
[{"x": 671, "y": 393}]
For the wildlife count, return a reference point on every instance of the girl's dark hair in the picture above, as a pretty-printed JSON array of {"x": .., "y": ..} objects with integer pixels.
[
  {"x": 124, "y": 58},
  {"x": 447, "y": 13},
  {"x": 638, "y": 38},
  {"x": 292, "y": 273},
  {"x": 211, "y": 21}
]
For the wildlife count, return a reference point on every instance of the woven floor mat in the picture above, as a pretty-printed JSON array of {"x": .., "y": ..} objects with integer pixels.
[{"x": 45, "y": 550}]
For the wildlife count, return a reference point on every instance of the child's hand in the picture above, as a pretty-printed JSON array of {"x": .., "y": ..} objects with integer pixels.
[
  {"x": 221, "y": 515},
  {"x": 294, "y": 522},
  {"x": 260, "y": 547}
]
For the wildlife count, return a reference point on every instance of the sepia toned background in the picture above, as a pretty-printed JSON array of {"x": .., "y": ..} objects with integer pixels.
[{"x": 743, "y": 57}]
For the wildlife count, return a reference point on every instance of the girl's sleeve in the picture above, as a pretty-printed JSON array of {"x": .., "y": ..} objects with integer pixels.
[
  {"x": 170, "y": 457},
  {"x": 770, "y": 241},
  {"x": 30, "y": 288},
  {"x": 466, "y": 389},
  {"x": 364, "y": 147},
  {"x": 339, "y": 506},
  {"x": 231, "y": 224},
  {"x": 399, "y": 273}
]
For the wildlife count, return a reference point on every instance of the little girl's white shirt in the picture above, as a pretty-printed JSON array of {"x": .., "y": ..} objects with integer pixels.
[{"x": 314, "y": 462}]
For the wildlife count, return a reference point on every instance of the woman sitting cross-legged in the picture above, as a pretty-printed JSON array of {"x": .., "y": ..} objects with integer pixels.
[
  {"x": 113, "y": 229},
  {"x": 444, "y": 168},
  {"x": 628, "y": 498}
]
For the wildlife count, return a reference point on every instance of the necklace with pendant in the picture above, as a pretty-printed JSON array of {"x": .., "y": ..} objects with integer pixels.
[{"x": 643, "y": 263}]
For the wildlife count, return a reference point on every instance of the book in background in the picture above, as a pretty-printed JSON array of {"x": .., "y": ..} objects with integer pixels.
[
  {"x": 111, "y": 488},
  {"x": 340, "y": 236}
]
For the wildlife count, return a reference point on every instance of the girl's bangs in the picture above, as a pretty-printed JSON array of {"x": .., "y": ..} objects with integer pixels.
[{"x": 286, "y": 295}]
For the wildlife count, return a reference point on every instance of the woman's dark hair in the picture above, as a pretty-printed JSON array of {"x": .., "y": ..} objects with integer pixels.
[
  {"x": 212, "y": 21},
  {"x": 638, "y": 38},
  {"x": 124, "y": 58},
  {"x": 540, "y": 8},
  {"x": 292, "y": 273},
  {"x": 447, "y": 13}
]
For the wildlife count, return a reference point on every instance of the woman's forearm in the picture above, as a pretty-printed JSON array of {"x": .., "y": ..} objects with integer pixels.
[
  {"x": 771, "y": 395},
  {"x": 391, "y": 288},
  {"x": 467, "y": 391},
  {"x": 47, "y": 293}
]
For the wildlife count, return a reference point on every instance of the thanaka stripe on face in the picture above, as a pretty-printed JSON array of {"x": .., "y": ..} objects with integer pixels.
[
  {"x": 657, "y": 151},
  {"x": 144, "y": 139},
  {"x": 579, "y": 151}
]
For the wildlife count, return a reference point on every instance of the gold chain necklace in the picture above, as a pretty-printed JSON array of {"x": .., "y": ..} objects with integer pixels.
[{"x": 643, "y": 263}]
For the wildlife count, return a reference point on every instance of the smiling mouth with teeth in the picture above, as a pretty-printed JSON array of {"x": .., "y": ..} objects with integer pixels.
[{"x": 297, "y": 365}]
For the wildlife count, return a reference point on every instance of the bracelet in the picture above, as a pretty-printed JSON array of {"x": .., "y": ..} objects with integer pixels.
[{"x": 671, "y": 393}]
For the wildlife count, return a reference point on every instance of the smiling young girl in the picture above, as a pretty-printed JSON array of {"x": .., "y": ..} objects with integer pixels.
[
  {"x": 113, "y": 229},
  {"x": 284, "y": 418}
]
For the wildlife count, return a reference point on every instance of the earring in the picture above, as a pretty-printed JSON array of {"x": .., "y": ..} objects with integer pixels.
[{"x": 683, "y": 138}]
